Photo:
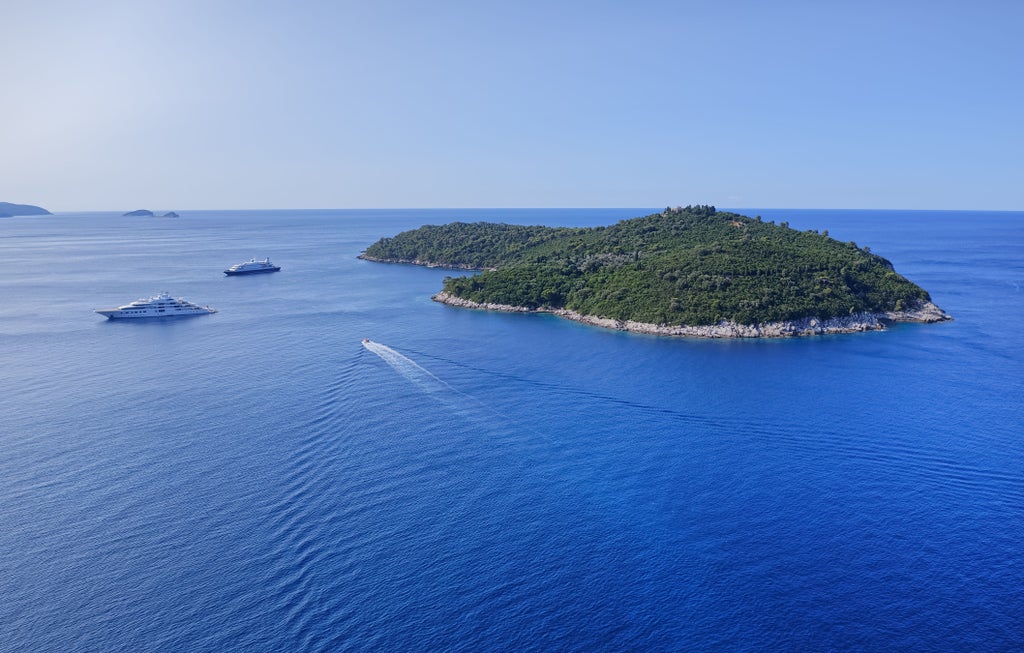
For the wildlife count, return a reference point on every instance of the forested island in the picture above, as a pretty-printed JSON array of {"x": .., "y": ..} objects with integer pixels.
[{"x": 685, "y": 271}]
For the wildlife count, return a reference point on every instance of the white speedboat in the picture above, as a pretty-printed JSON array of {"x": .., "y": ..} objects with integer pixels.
[
  {"x": 162, "y": 305},
  {"x": 252, "y": 266}
]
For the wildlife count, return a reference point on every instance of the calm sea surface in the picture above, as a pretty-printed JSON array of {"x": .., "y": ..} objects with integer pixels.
[{"x": 257, "y": 480}]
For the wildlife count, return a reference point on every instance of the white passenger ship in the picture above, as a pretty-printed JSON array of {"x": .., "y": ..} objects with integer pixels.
[
  {"x": 252, "y": 266},
  {"x": 162, "y": 305}
]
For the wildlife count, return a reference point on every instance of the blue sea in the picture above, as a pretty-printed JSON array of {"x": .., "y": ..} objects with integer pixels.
[{"x": 258, "y": 480}]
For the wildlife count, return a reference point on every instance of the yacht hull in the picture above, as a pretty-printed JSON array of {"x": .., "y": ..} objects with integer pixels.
[
  {"x": 235, "y": 273},
  {"x": 119, "y": 315}
]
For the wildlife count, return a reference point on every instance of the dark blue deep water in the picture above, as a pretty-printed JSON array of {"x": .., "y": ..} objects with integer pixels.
[{"x": 256, "y": 480}]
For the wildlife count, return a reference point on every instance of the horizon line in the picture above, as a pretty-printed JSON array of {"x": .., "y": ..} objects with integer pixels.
[{"x": 536, "y": 208}]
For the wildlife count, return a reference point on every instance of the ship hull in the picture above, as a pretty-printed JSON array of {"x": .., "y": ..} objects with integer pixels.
[
  {"x": 236, "y": 273},
  {"x": 155, "y": 315}
]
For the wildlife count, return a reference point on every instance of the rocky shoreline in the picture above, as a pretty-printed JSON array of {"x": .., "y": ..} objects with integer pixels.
[
  {"x": 923, "y": 312},
  {"x": 426, "y": 264}
]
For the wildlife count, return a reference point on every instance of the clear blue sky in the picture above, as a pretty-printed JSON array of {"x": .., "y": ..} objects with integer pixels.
[{"x": 291, "y": 104}]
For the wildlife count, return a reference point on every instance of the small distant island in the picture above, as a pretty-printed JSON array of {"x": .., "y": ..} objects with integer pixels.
[
  {"x": 689, "y": 271},
  {"x": 145, "y": 213},
  {"x": 8, "y": 210}
]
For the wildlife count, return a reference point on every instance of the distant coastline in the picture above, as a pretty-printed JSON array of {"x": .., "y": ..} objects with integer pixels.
[
  {"x": 925, "y": 311},
  {"x": 9, "y": 210}
]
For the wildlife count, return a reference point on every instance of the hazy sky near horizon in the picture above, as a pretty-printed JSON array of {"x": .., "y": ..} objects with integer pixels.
[{"x": 215, "y": 104}]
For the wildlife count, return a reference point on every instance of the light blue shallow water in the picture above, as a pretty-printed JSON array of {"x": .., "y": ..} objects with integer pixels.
[{"x": 258, "y": 480}]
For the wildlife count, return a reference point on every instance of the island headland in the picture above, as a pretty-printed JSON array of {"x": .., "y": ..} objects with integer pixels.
[
  {"x": 10, "y": 210},
  {"x": 691, "y": 271}
]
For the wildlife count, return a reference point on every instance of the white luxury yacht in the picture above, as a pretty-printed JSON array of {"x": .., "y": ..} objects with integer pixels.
[
  {"x": 252, "y": 266},
  {"x": 162, "y": 305}
]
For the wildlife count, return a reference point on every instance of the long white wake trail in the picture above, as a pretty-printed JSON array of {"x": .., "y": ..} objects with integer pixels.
[
  {"x": 408, "y": 368},
  {"x": 456, "y": 400}
]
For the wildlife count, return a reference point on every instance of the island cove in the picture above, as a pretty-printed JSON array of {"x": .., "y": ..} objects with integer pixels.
[{"x": 690, "y": 271}]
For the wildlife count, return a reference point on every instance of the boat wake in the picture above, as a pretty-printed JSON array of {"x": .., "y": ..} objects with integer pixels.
[
  {"x": 418, "y": 375},
  {"x": 457, "y": 401}
]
